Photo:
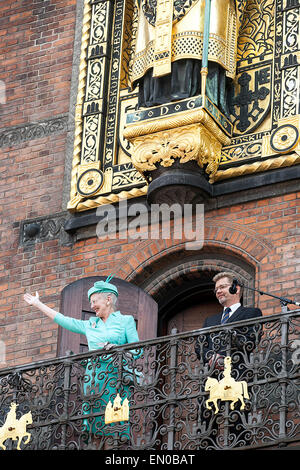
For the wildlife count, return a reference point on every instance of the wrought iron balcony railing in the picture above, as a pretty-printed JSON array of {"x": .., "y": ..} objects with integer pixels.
[{"x": 167, "y": 382}]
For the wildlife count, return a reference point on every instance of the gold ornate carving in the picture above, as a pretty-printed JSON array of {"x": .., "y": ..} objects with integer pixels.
[
  {"x": 87, "y": 15},
  {"x": 116, "y": 411},
  {"x": 14, "y": 428},
  {"x": 257, "y": 30},
  {"x": 186, "y": 143},
  {"x": 129, "y": 33},
  {"x": 90, "y": 182},
  {"x": 80, "y": 204},
  {"x": 130, "y": 177},
  {"x": 191, "y": 135},
  {"x": 91, "y": 136},
  {"x": 284, "y": 139},
  {"x": 227, "y": 389}
]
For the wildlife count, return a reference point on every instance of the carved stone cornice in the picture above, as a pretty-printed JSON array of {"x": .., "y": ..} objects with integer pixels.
[
  {"x": 16, "y": 135},
  {"x": 43, "y": 229}
]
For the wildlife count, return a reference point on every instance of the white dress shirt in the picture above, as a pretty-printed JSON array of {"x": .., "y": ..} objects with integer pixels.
[{"x": 233, "y": 308}]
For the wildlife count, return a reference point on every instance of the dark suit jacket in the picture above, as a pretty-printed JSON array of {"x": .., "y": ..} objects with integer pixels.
[
  {"x": 242, "y": 335},
  {"x": 242, "y": 313}
]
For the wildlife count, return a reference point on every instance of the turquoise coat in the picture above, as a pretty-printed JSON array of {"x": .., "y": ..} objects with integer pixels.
[
  {"x": 101, "y": 373},
  {"x": 118, "y": 329}
]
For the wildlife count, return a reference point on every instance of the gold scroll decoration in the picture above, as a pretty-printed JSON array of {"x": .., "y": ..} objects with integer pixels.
[
  {"x": 163, "y": 38},
  {"x": 14, "y": 428},
  {"x": 228, "y": 389},
  {"x": 186, "y": 143},
  {"x": 192, "y": 135},
  {"x": 116, "y": 411}
]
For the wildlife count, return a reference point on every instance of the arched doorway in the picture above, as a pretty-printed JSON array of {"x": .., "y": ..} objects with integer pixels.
[
  {"x": 184, "y": 289},
  {"x": 188, "y": 305}
]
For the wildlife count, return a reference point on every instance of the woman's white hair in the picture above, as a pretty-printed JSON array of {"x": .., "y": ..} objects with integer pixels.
[{"x": 114, "y": 298}]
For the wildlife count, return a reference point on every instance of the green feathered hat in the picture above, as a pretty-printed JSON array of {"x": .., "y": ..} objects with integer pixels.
[{"x": 103, "y": 287}]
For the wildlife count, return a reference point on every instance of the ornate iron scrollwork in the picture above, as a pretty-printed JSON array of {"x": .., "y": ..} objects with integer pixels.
[{"x": 165, "y": 389}]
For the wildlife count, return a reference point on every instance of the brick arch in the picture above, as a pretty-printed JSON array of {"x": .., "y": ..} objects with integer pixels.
[
  {"x": 159, "y": 286},
  {"x": 183, "y": 287},
  {"x": 221, "y": 238},
  {"x": 147, "y": 256},
  {"x": 238, "y": 238}
]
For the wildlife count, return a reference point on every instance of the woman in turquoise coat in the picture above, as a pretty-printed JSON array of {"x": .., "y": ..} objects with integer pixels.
[{"x": 107, "y": 329}]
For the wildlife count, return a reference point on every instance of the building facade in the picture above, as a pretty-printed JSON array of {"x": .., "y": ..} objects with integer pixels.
[{"x": 71, "y": 146}]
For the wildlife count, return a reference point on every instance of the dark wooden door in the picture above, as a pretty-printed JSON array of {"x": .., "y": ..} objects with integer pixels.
[
  {"x": 193, "y": 317},
  {"x": 131, "y": 301}
]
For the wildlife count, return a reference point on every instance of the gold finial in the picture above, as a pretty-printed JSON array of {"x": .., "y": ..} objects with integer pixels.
[
  {"x": 14, "y": 428},
  {"x": 116, "y": 412},
  {"x": 227, "y": 389}
]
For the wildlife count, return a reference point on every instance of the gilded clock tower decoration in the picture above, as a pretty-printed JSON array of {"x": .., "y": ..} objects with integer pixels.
[{"x": 141, "y": 112}]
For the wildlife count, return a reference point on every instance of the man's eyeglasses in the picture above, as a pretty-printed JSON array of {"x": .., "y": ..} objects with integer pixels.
[{"x": 221, "y": 287}]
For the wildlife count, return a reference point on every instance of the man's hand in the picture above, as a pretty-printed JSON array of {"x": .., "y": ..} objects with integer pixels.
[{"x": 32, "y": 299}]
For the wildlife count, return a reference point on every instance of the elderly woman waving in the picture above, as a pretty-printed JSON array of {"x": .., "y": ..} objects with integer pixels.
[{"x": 107, "y": 329}]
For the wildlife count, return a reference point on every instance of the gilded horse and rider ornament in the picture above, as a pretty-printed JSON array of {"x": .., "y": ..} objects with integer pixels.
[
  {"x": 15, "y": 429},
  {"x": 227, "y": 389}
]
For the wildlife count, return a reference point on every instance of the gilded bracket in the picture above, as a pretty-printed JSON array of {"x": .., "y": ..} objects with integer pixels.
[{"x": 187, "y": 136}]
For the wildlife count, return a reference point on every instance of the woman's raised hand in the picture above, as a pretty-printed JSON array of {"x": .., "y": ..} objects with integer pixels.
[{"x": 32, "y": 299}]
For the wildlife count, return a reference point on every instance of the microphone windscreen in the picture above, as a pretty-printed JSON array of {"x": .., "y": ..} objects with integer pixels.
[{"x": 232, "y": 288}]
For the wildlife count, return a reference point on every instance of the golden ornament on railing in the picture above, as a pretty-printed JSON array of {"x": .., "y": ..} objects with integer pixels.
[
  {"x": 14, "y": 428},
  {"x": 116, "y": 412},
  {"x": 227, "y": 389}
]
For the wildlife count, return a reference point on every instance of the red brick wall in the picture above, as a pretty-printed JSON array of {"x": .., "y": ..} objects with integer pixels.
[{"x": 36, "y": 51}]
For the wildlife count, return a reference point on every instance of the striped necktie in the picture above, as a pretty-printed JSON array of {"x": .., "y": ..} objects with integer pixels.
[{"x": 226, "y": 315}]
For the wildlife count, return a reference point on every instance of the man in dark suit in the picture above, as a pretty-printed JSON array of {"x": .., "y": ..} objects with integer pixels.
[
  {"x": 239, "y": 342},
  {"x": 228, "y": 293}
]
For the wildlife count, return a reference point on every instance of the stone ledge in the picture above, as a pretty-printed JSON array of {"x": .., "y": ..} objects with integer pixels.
[{"x": 16, "y": 135}]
